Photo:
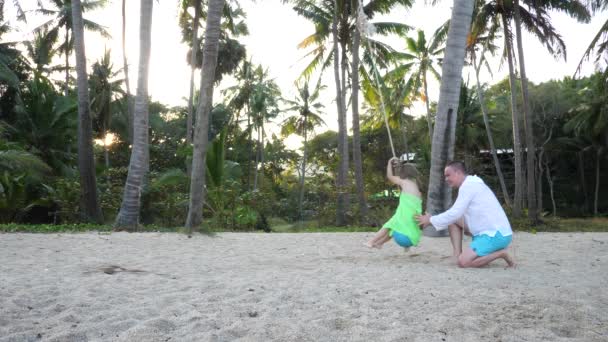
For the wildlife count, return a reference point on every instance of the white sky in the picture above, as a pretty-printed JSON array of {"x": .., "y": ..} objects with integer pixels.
[{"x": 275, "y": 31}]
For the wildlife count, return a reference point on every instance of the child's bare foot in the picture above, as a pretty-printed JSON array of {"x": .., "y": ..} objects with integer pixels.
[
  {"x": 509, "y": 260},
  {"x": 368, "y": 245}
]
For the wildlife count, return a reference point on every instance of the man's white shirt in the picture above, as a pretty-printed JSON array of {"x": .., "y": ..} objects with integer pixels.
[{"x": 480, "y": 208}]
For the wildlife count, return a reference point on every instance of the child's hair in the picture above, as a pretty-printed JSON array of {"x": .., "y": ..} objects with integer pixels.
[{"x": 407, "y": 170}]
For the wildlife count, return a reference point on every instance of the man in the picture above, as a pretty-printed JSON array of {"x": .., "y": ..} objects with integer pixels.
[{"x": 478, "y": 212}]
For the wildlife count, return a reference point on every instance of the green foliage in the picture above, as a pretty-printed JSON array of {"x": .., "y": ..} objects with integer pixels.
[{"x": 165, "y": 200}]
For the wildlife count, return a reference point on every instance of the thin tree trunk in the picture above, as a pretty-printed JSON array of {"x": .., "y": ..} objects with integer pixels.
[
  {"x": 257, "y": 162},
  {"x": 442, "y": 149},
  {"x": 429, "y": 121},
  {"x": 303, "y": 172},
  {"x": 210, "y": 52},
  {"x": 193, "y": 58},
  {"x": 128, "y": 98},
  {"x": 357, "y": 160},
  {"x": 581, "y": 168},
  {"x": 89, "y": 205},
  {"x": 518, "y": 197},
  {"x": 128, "y": 216},
  {"x": 486, "y": 122},
  {"x": 597, "y": 179},
  {"x": 341, "y": 190},
  {"x": 66, "y": 89},
  {"x": 106, "y": 152},
  {"x": 528, "y": 124},
  {"x": 551, "y": 192}
]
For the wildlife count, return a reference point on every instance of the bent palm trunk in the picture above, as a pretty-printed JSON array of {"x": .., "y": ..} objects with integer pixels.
[
  {"x": 128, "y": 216},
  {"x": 439, "y": 196},
  {"x": 210, "y": 52}
]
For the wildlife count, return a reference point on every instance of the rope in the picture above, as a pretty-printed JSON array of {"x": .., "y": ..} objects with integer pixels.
[{"x": 367, "y": 29}]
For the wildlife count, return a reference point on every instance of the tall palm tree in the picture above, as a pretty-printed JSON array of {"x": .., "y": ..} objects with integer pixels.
[
  {"x": 439, "y": 196},
  {"x": 89, "y": 204},
  {"x": 41, "y": 51},
  {"x": 599, "y": 43},
  {"x": 424, "y": 57},
  {"x": 210, "y": 52},
  {"x": 307, "y": 106},
  {"x": 335, "y": 33},
  {"x": 128, "y": 216},
  {"x": 535, "y": 19},
  {"x": 573, "y": 8},
  {"x": 590, "y": 122},
  {"x": 125, "y": 68},
  {"x": 483, "y": 38},
  {"x": 105, "y": 86},
  {"x": 62, "y": 13},
  {"x": 264, "y": 107}
]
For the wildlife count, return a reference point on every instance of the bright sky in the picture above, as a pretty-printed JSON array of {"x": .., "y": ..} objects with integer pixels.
[{"x": 275, "y": 31}]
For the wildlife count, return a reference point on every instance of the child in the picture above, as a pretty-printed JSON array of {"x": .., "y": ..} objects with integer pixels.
[{"x": 402, "y": 227}]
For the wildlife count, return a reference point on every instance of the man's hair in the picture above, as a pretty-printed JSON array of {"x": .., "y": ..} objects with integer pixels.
[{"x": 457, "y": 166}]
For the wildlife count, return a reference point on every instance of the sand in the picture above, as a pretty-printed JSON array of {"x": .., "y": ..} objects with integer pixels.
[{"x": 296, "y": 287}]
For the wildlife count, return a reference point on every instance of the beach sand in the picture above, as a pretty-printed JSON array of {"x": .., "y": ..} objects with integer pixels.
[{"x": 296, "y": 287}]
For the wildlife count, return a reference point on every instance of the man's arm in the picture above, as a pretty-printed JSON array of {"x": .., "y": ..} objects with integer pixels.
[{"x": 443, "y": 220}]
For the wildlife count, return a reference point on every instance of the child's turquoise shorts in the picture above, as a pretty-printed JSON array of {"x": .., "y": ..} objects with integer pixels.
[{"x": 484, "y": 244}]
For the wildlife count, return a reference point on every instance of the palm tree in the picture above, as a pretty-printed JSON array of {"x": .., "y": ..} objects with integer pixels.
[
  {"x": 128, "y": 216},
  {"x": 333, "y": 23},
  {"x": 424, "y": 57},
  {"x": 62, "y": 13},
  {"x": 439, "y": 196},
  {"x": 307, "y": 106},
  {"x": 590, "y": 123},
  {"x": 89, "y": 205},
  {"x": 125, "y": 68},
  {"x": 573, "y": 8},
  {"x": 41, "y": 51},
  {"x": 210, "y": 52},
  {"x": 535, "y": 19},
  {"x": 600, "y": 40},
  {"x": 483, "y": 37},
  {"x": 104, "y": 87},
  {"x": 264, "y": 107}
]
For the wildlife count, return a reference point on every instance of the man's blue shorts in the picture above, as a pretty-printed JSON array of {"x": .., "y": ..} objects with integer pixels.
[{"x": 484, "y": 244}]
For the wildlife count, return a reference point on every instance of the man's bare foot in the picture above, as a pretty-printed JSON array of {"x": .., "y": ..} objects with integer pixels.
[{"x": 368, "y": 245}]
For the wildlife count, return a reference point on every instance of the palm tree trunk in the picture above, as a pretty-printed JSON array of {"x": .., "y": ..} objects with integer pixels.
[
  {"x": 581, "y": 168},
  {"x": 439, "y": 195},
  {"x": 66, "y": 89},
  {"x": 126, "y": 71},
  {"x": 257, "y": 162},
  {"x": 486, "y": 122},
  {"x": 193, "y": 58},
  {"x": 210, "y": 52},
  {"x": 429, "y": 122},
  {"x": 598, "y": 159},
  {"x": 128, "y": 216},
  {"x": 341, "y": 205},
  {"x": 303, "y": 172},
  {"x": 528, "y": 124},
  {"x": 358, "y": 165},
  {"x": 90, "y": 209},
  {"x": 518, "y": 197},
  {"x": 106, "y": 152}
]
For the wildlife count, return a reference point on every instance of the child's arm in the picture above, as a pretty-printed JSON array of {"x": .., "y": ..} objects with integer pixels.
[{"x": 389, "y": 173}]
